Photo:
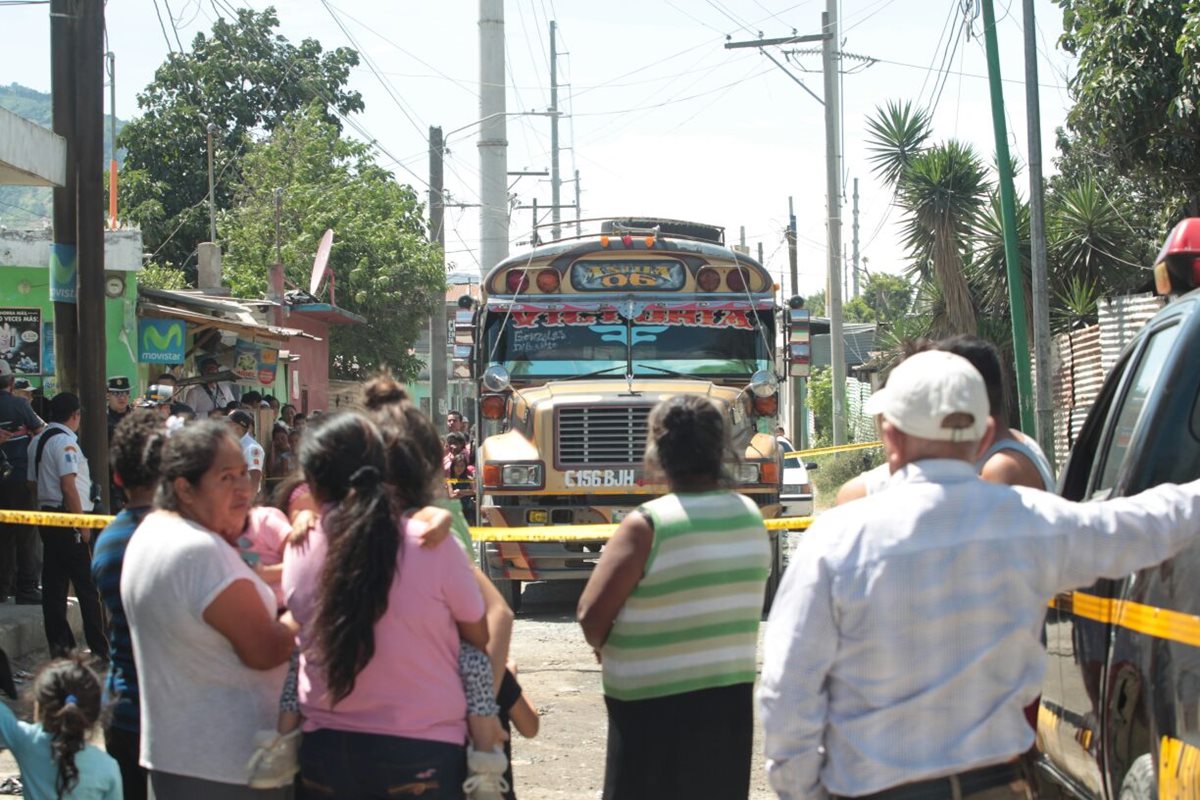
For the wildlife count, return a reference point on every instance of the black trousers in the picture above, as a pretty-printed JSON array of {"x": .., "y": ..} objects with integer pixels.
[
  {"x": 67, "y": 560},
  {"x": 681, "y": 747},
  {"x": 124, "y": 746},
  {"x": 19, "y": 567}
]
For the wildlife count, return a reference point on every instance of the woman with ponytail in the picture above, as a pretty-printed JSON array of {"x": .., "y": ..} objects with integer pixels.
[
  {"x": 55, "y": 759},
  {"x": 380, "y": 618},
  {"x": 672, "y": 611}
]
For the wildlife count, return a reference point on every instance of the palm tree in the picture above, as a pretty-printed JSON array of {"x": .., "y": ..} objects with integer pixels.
[
  {"x": 895, "y": 136},
  {"x": 942, "y": 191},
  {"x": 1088, "y": 238}
]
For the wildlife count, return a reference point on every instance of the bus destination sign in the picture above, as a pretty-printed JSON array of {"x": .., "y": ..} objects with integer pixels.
[{"x": 607, "y": 276}]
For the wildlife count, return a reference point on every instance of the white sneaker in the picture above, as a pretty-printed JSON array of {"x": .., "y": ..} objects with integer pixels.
[
  {"x": 275, "y": 761},
  {"x": 486, "y": 774}
]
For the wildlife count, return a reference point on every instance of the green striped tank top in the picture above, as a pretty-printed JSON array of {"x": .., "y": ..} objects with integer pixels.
[{"x": 692, "y": 621}]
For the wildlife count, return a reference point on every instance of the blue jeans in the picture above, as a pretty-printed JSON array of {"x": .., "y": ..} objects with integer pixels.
[{"x": 366, "y": 766}]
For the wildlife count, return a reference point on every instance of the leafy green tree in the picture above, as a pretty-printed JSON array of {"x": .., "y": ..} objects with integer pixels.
[
  {"x": 820, "y": 400},
  {"x": 383, "y": 264},
  {"x": 889, "y": 297},
  {"x": 1136, "y": 88},
  {"x": 244, "y": 79}
]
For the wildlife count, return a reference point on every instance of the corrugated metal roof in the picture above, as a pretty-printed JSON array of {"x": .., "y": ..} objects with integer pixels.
[{"x": 860, "y": 342}]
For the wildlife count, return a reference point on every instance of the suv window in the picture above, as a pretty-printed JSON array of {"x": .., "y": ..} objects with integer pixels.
[{"x": 1145, "y": 376}]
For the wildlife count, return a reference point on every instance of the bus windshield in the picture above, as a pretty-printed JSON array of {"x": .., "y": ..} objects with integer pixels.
[{"x": 693, "y": 342}]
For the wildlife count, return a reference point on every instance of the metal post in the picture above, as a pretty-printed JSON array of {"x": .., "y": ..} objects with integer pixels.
[
  {"x": 854, "y": 245},
  {"x": 799, "y": 386},
  {"x": 210, "y": 129},
  {"x": 1037, "y": 242},
  {"x": 555, "y": 181},
  {"x": 62, "y": 77},
  {"x": 578, "y": 228},
  {"x": 493, "y": 137},
  {"x": 111, "y": 59},
  {"x": 833, "y": 176},
  {"x": 437, "y": 316},
  {"x": 1008, "y": 214},
  {"x": 89, "y": 124}
]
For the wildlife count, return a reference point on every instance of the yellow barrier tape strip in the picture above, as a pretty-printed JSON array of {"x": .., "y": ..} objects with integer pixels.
[
  {"x": 54, "y": 519},
  {"x": 595, "y": 533},
  {"x": 840, "y": 448}
]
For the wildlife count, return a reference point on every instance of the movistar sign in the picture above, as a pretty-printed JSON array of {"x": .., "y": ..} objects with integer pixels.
[{"x": 160, "y": 341}]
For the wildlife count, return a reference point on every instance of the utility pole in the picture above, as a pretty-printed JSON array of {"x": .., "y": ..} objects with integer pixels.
[
  {"x": 555, "y": 179},
  {"x": 742, "y": 237},
  {"x": 1008, "y": 214},
  {"x": 64, "y": 253},
  {"x": 760, "y": 254},
  {"x": 1037, "y": 243},
  {"x": 89, "y": 125},
  {"x": 437, "y": 316},
  {"x": 210, "y": 129},
  {"x": 854, "y": 250},
  {"x": 578, "y": 227},
  {"x": 493, "y": 137},
  {"x": 111, "y": 60},
  {"x": 799, "y": 386},
  {"x": 833, "y": 175}
]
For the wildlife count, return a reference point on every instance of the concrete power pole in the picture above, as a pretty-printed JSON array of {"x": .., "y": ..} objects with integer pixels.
[
  {"x": 1037, "y": 233},
  {"x": 493, "y": 137},
  {"x": 854, "y": 247},
  {"x": 831, "y": 64},
  {"x": 89, "y": 125},
  {"x": 64, "y": 253},
  {"x": 578, "y": 227},
  {"x": 799, "y": 387},
  {"x": 555, "y": 178},
  {"x": 437, "y": 315}
]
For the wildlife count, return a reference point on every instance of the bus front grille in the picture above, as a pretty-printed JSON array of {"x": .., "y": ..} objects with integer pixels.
[{"x": 602, "y": 435}]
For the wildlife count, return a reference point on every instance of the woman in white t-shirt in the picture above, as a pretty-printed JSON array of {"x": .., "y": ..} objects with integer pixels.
[{"x": 210, "y": 654}]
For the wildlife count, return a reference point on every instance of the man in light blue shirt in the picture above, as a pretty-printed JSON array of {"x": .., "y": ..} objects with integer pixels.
[{"x": 904, "y": 642}]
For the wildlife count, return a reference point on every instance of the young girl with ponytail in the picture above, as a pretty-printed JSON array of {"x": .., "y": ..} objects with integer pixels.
[{"x": 55, "y": 759}]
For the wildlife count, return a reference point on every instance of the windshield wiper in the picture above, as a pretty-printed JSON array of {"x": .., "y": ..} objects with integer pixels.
[
  {"x": 670, "y": 372},
  {"x": 588, "y": 374}
]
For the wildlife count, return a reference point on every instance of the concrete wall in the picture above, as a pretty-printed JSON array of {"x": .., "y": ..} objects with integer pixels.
[{"x": 311, "y": 373}]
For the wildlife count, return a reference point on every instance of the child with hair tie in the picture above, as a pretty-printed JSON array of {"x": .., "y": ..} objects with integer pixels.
[{"x": 55, "y": 759}]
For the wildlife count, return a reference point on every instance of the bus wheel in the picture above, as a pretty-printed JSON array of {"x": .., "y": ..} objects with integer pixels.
[
  {"x": 776, "y": 573},
  {"x": 1139, "y": 783}
]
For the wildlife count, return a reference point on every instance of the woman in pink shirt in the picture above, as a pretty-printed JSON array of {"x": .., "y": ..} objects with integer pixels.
[{"x": 380, "y": 619}]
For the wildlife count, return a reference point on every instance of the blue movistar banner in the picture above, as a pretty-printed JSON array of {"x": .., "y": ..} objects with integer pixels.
[{"x": 161, "y": 341}]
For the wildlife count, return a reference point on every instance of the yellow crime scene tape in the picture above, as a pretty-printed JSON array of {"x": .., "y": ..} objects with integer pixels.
[
  {"x": 54, "y": 519},
  {"x": 839, "y": 448},
  {"x": 594, "y": 533},
  {"x": 537, "y": 533}
]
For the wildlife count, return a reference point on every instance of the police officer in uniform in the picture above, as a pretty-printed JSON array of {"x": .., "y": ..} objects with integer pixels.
[
  {"x": 60, "y": 470},
  {"x": 118, "y": 409}
]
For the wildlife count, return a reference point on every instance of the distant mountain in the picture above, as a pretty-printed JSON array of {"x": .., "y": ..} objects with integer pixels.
[{"x": 30, "y": 206}]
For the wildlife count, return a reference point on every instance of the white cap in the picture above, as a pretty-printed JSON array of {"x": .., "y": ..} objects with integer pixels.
[{"x": 926, "y": 390}]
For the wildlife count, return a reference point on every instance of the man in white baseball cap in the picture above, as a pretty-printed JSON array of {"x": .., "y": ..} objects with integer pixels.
[{"x": 904, "y": 643}]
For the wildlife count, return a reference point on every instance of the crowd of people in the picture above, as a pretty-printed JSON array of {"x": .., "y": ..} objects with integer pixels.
[{"x": 339, "y": 641}]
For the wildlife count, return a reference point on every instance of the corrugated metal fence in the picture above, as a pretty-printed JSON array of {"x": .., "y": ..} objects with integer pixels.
[{"x": 1083, "y": 358}]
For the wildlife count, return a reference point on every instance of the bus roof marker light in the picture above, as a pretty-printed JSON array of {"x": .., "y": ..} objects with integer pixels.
[
  {"x": 627, "y": 240},
  {"x": 547, "y": 281},
  {"x": 708, "y": 279},
  {"x": 604, "y": 241},
  {"x": 516, "y": 280},
  {"x": 649, "y": 241},
  {"x": 735, "y": 279}
]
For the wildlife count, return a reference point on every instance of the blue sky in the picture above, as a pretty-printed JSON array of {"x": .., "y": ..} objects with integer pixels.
[{"x": 663, "y": 121}]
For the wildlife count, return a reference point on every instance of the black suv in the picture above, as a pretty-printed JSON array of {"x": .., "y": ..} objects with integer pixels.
[{"x": 1120, "y": 710}]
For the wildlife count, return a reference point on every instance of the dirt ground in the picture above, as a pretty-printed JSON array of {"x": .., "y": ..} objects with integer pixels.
[{"x": 562, "y": 679}]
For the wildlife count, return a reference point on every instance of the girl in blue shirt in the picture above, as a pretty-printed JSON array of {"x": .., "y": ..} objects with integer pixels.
[{"x": 55, "y": 759}]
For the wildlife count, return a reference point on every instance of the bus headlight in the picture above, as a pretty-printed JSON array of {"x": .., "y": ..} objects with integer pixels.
[
  {"x": 746, "y": 473},
  {"x": 521, "y": 476}
]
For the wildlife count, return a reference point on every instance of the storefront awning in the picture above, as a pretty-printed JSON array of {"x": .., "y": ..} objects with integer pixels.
[{"x": 250, "y": 330}]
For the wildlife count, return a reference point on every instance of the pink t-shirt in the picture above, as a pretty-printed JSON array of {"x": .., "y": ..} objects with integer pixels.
[
  {"x": 411, "y": 686},
  {"x": 267, "y": 531}
]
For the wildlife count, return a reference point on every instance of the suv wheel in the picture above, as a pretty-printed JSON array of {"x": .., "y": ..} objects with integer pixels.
[{"x": 1140, "y": 782}]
